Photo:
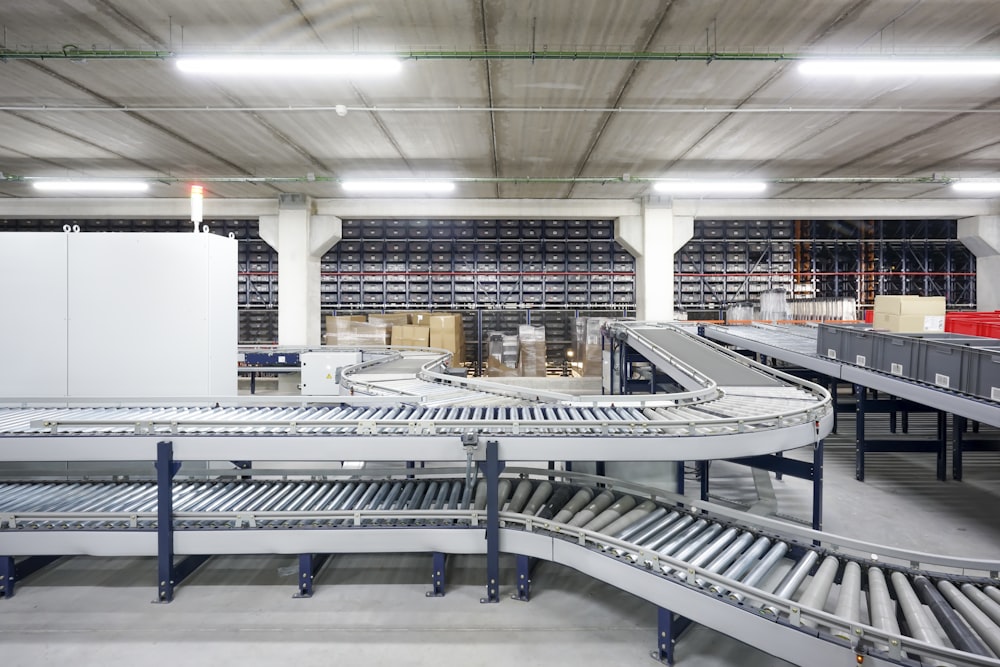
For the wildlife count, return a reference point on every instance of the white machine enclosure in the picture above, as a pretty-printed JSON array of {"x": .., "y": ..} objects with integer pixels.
[
  {"x": 111, "y": 315},
  {"x": 321, "y": 371}
]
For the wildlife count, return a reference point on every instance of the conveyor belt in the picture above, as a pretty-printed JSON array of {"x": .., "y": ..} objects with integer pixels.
[
  {"x": 839, "y": 594},
  {"x": 797, "y": 345}
]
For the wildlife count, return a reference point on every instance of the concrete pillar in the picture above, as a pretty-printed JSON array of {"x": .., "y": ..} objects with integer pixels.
[
  {"x": 981, "y": 235},
  {"x": 653, "y": 237},
  {"x": 300, "y": 238}
]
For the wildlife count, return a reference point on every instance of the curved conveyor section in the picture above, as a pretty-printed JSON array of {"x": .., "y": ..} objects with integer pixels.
[{"x": 807, "y": 597}]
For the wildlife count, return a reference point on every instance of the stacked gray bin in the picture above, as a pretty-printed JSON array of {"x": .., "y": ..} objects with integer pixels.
[
  {"x": 981, "y": 371},
  {"x": 969, "y": 364},
  {"x": 853, "y": 343},
  {"x": 940, "y": 359}
]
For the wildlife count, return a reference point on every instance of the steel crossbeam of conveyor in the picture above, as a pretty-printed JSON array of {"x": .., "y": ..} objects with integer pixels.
[
  {"x": 793, "y": 592},
  {"x": 797, "y": 345}
]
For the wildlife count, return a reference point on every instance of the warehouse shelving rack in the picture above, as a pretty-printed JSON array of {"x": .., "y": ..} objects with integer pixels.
[
  {"x": 731, "y": 262},
  {"x": 497, "y": 273}
]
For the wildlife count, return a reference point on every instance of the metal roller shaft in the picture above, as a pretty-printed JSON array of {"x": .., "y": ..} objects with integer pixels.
[
  {"x": 695, "y": 546},
  {"x": 986, "y": 604},
  {"x": 993, "y": 592},
  {"x": 708, "y": 553},
  {"x": 743, "y": 563},
  {"x": 648, "y": 527},
  {"x": 455, "y": 499},
  {"x": 641, "y": 513},
  {"x": 786, "y": 589},
  {"x": 676, "y": 543},
  {"x": 611, "y": 514},
  {"x": 480, "y": 502},
  {"x": 882, "y": 610},
  {"x": 503, "y": 492},
  {"x": 601, "y": 502},
  {"x": 980, "y": 622},
  {"x": 762, "y": 568},
  {"x": 557, "y": 500},
  {"x": 579, "y": 500},
  {"x": 538, "y": 498},
  {"x": 849, "y": 597},
  {"x": 921, "y": 627},
  {"x": 521, "y": 494},
  {"x": 723, "y": 560},
  {"x": 818, "y": 589},
  {"x": 958, "y": 632},
  {"x": 665, "y": 535}
]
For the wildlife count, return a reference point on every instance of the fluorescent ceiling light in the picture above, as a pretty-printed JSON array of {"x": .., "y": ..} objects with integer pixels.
[
  {"x": 893, "y": 67},
  {"x": 976, "y": 186},
  {"x": 292, "y": 66},
  {"x": 708, "y": 187},
  {"x": 91, "y": 186},
  {"x": 398, "y": 186}
]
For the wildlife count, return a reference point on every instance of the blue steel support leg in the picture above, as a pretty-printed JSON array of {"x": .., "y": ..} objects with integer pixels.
[
  {"x": 778, "y": 475},
  {"x": 680, "y": 478},
  {"x": 817, "y": 480},
  {"x": 492, "y": 474},
  {"x": 438, "y": 561},
  {"x": 942, "y": 453},
  {"x": 169, "y": 574},
  {"x": 600, "y": 469},
  {"x": 524, "y": 564},
  {"x": 12, "y": 571},
  {"x": 958, "y": 435},
  {"x": 668, "y": 628},
  {"x": 7, "y": 576},
  {"x": 859, "y": 440},
  {"x": 703, "y": 478},
  {"x": 309, "y": 565}
]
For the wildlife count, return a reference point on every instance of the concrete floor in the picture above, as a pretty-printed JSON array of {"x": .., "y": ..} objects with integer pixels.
[{"x": 372, "y": 609}]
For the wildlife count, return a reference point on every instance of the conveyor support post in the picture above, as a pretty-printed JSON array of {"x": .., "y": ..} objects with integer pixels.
[
  {"x": 492, "y": 469},
  {"x": 438, "y": 561},
  {"x": 170, "y": 574},
  {"x": 309, "y": 565}
]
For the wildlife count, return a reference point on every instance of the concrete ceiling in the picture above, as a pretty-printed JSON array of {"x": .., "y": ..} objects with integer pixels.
[{"x": 502, "y": 120}]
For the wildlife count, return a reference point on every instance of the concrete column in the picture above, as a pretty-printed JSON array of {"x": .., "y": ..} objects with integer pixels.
[
  {"x": 300, "y": 238},
  {"x": 981, "y": 235},
  {"x": 653, "y": 237}
]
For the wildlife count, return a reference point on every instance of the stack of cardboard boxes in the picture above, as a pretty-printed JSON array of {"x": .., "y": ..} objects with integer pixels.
[
  {"x": 531, "y": 341},
  {"x": 909, "y": 314},
  {"x": 410, "y": 329},
  {"x": 502, "y": 351},
  {"x": 587, "y": 344},
  {"x": 354, "y": 330}
]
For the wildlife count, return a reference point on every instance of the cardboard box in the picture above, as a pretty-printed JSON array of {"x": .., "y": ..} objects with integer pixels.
[
  {"x": 391, "y": 319},
  {"x": 909, "y": 305},
  {"x": 446, "y": 333},
  {"x": 418, "y": 317},
  {"x": 334, "y": 321},
  {"x": 908, "y": 323},
  {"x": 531, "y": 350},
  {"x": 358, "y": 334},
  {"x": 410, "y": 335},
  {"x": 909, "y": 313}
]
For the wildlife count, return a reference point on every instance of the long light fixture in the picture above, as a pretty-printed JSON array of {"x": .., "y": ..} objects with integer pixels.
[
  {"x": 985, "y": 186},
  {"x": 91, "y": 186},
  {"x": 710, "y": 187},
  {"x": 865, "y": 68},
  {"x": 398, "y": 186},
  {"x": 292, "y": 66}
]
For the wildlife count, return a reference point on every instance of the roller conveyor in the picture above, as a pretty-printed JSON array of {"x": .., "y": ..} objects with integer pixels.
[
  {"x": 797, "y": 345},
  {"x": 732, "y": 408},
  {"x": 830, "y": 590}
]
